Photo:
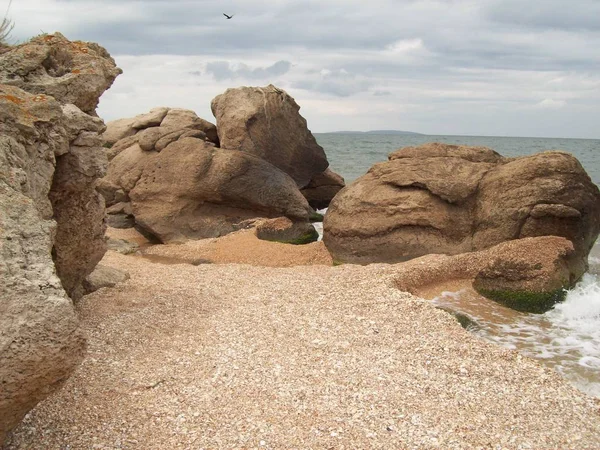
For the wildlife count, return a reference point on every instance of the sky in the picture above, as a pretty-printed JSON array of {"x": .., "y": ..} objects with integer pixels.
[{"x": 465, "y": 67}]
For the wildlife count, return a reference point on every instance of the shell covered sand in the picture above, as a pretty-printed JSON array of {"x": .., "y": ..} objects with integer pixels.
[{"x": 238, "y": 356}]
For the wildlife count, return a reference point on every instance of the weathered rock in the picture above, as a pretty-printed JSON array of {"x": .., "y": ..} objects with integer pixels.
[
  {"x": 439, "y": 150},
  {"x": 448, "y": 199},
  {"x": 157, "y": 129},
  {"x": 265, "y": 122},
  {"x": 150, "y": 119},
  {"x": 544, "y": 194},
  {"x": 530, "y": 274},
  {"x": 104, "y": 276},
  {"x": 527, "y": 274},
  {"x": 72, "y": 72},
  {"x": 185, "y": 118},
  {"x": 284, "y": 230},
  {"x": 40, "y": 343},
  {"x": 78, "y": 208},
  {"x": 322, "y": 188},
  {"x": 51, "y": 217},
  {"x": 216, "y": 190}
]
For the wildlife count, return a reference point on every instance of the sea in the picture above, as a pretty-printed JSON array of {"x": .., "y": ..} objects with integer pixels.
[{"x": 567, "y": 338}]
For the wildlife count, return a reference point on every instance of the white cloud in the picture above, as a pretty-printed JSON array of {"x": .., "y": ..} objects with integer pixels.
[{"x": 549, "y": 103}]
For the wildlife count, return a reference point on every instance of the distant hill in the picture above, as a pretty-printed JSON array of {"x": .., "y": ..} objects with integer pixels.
[{"x": 378, "y": 132}]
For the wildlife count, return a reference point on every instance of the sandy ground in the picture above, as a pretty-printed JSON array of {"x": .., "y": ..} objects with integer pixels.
[{"x": 185, "y": 356}]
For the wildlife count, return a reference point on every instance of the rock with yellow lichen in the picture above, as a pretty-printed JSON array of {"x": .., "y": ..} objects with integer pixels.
[
  {"x": 51, "y": 217},
  {"x": 71, "y": 71}
]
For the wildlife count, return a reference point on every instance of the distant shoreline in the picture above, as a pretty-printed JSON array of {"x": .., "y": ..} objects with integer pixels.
[
  {"x": 412, "y": 133},
  {"x": 394, "y": 132}
]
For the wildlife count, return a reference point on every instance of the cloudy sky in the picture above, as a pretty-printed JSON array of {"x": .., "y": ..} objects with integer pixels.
[{"x": 472, "y": 67}]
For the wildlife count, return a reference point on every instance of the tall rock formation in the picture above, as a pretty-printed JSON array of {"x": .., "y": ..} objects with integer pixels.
[{"x": 51, "y": 218}]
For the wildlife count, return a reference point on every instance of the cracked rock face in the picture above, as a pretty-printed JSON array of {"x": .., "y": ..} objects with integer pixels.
[
  {"x": 51, "y": 217},
  {"x": 440, "y": 198}
]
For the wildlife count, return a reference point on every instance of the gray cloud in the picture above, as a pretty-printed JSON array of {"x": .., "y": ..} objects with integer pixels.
[
  {"x": 339, "y": 83},
  {"x": 550, "y": 14},
  {"x": 223, "y": 70},
  {"x": 435, "y": 60}
]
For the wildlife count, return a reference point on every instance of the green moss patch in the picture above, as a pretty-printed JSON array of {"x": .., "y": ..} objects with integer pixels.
[
  {"x": 306, "y": 238},
  {"x": 464, "y": 320},
  {"x": 525, "y": 301},
  {"x": 315, "y": 217}
]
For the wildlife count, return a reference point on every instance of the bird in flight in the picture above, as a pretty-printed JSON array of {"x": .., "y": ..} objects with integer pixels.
[{"x": 228, "y": 17}]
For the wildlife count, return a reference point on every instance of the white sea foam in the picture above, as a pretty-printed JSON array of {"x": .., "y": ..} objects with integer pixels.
[
  {"x": 319, "y": 225},
  {"x": 566, "y": 338}
]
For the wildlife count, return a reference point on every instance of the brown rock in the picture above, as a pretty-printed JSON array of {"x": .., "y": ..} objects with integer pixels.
[
  {"x": 185, "y": 118},
  {"x": 157, "y": 129},
  {"x": 150, "y": 119},
  {"x": 322, "y": 188},
  {"x": 439, "y": 150},
  {"x": 265, "y": 122},
  {"x": 215, "y": 190},
  {"x": 447, "y": 199},
  {"x": 544, "y": 194},
  {"x": 530, "y": 274},
  {"x": 117, "y": 130}
]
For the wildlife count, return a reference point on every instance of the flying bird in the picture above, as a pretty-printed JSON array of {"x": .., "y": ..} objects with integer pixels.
[{"x": 228, "y": 17}]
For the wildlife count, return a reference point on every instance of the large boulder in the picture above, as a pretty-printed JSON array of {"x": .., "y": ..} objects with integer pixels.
[
  {"x": 166, "y": 123},
  {"x": 51, "y": 217},
  {"x": 439, "y": 198},
  {"x": 264, "y": 121},
  {"x": 190, "y": 189}
]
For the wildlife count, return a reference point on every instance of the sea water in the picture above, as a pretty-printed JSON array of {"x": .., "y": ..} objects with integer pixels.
[{"x": 567, "y": 338}]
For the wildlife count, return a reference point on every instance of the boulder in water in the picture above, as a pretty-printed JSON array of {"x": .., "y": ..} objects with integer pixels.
[{"x": 440, "y": 198}]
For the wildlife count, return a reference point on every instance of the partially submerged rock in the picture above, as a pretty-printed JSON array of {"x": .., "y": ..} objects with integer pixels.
[
  {"x": 439, "y": 198},
  {"x": 264, "y": 121},
  {"x": 51, "y": 217},
  {"x": 529, "y": 274}
]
